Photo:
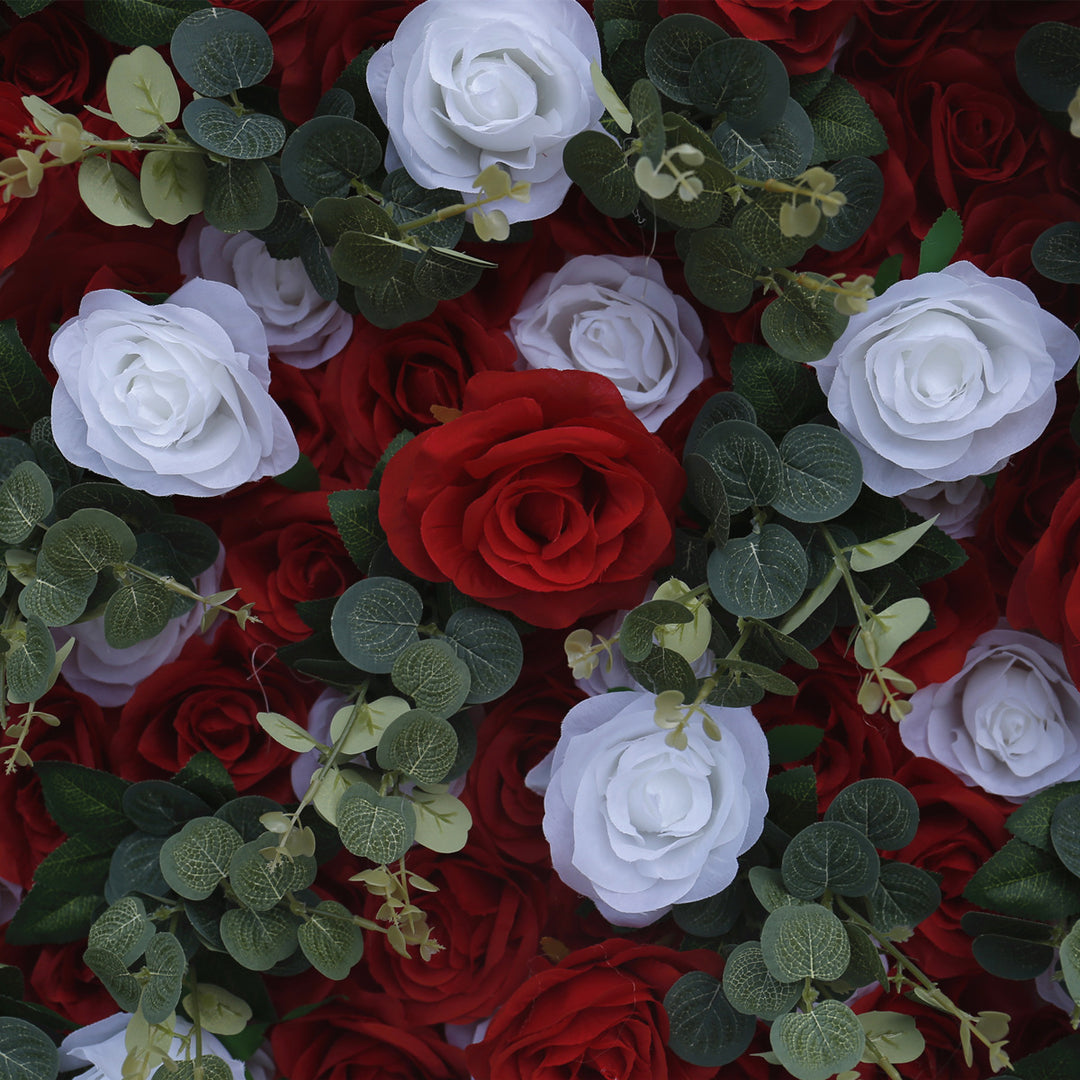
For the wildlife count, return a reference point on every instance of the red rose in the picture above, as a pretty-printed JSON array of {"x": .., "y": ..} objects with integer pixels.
[
  {"x": 82, "y": 737},
  {"x": 959, "y": 829},
  {"x": 597, "y": 1012},
  {"x": 343, "y": 1042},
  {"x": 298, "y": 392},
  {"x": 281, "y": 548},
  {"x": 1045, "y": 595},
  {"x": 57, "y": 978},
  {"x": 487, "y": 918},
  {"x": 803, "y": 33},
  {"x": 387, "y": 380},
  {"x": 546, "y": 497},
  {"x": 207, "y": 700}
]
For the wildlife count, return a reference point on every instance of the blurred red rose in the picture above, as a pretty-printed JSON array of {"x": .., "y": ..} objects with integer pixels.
[
  {"x": 207, "y": 700},
  {"x": 343, "y": 1042},
  {"x": 298, "y": 391},
  {"x": 385, "y": 381},
  {"x": 546, "y": 497}
]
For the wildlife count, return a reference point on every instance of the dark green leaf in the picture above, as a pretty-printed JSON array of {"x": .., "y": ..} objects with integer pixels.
[
  {"x": 665, "y": 669},
  {"x": 395, "y": 300},
  {"x": 743, "y": 80},
  {"x": 159, "y": 807},
  {"x": 324, "y": 156},
  {"x": 1056, "y": 253},
  {"x": 719, "y": 271},
  {"x": 1048, "y": 64},
  {"x": 639, "y": 626},
  {"x": 793, "y": 742},
  {"x": 1030, "y": 822},
  {"x": 1057, "y": 1062},
  {"x": 903, "y": 896},
  {"x": 720, "y": 407},
  {"x": 671, "y": 49},
  {"x": 861, "y": 182},
  {"x": 135, "y": 868},
  {"x": 213, "y": 125},
  {"x": 420, "y": 744},
  {"x": 704, "y": 1028},
  {"x": 644, "y": 105},
  {"x": 884, "y": 811},
  {"x": 1065, "y": 832},
  {"x": 746, "y": 460},
  {"x": 713, "y": 916},
  {"x": 793, "y": 799},
  {"x": 844, "y": 125},
  {"x": 444, "y": 274},
  {"x": 491, "y": 649},
  {"x": 374, "y": 620},
  {"x": 783, "y": 394},
  {"x": 822, "y": 474},
  {"x": 26, "y": 1053},
  {"x": 1023, "y": 881},
  {"x": 940, "y": 243},
  {"x": 139, "y": 22},
  {"x": 219, "y": 50},
  {"x": 830, "y": 855},
  {"x": 375, "y": 827},
  {"x": 1011, "y": 958},
  {"x": 82, "y": 800},
  {"x": 750, "y": 987},
  {"x": 804, "y": 941},
  {"x": 801, "y": 324},
  {"x": 24, "y": 391},
  {"x": 782, "y": 150},
  {"x": 761, "y": 575},
  {"x": 240, "y": 195},
  {"x": 356, "y": 518},
  {"x": 817, "y": 1044}
]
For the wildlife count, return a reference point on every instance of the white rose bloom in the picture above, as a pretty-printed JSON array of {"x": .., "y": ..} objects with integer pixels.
[
  {"x": 615, "y": 316},
  {"x": 466, "y": 84},
  {"x": 302, "y": 329},
  {"x": 956, "y": 504},
  {"x": 109, "y": 676},
  {"x": 98, "y": 1049},
  {"x": 171, "y": 399},
  {"x": 1008, "y": 721},
  {"x": 639, "y": 826},
  {"x": 944, "y": 376}
]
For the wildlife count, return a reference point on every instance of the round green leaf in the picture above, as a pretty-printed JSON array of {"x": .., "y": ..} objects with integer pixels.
[
  {"x": 862, "y": 184},
  {"x": 87, "y": 542},
  {"x": 141, "y": 608},
  {"x": 219, "y": 50},
  {"x": 804, "y": 941},
  {"x": 26, "y": 1052},
  {"x": 822, "y": 474},
  {"x": 419, "y": 744},
  {"x": 258, "y": 939},
  {"x": 445, "y": 274},
  {"x": 751, "y": 989},
  {"x": 720, "y": 407},
  {"x": 1012, "y": 958},
  {"x": 160, "y": 807},
  {"x": 331, "y": 940},
  {"x": 240, "y": 195},
  {"x": 719, "y": 271},
  {"x": 196, "y": 859},
  {"x": 818, "y": 1044},
  {"x": 442, "y": 821},
  {"x": 761, "y": 575},
  {"x": 704, "y": 1028},
  {"x": 756, "y": 226},
  {"x": 142, "y": 92},
  {"x": 865, "y": 965},
  {"x": 375, "y": 827},
  {"x": 742, "y": 79},
  {"x": 243, "y": 815},
  {"x": 1056, "y": 253},
  {"x": 136, "y": 867},
  {"x": 26, "y": 497},
  {"x": 769, "y": 889},
  {"x": 595, "y": 162},
  {"x": 640, "y": 625},
  {"x": 325, "y": 155},
  {"x": 213, "y": 1068},
  {"x": 713, "y": 916},
  {"x": 166, "y": 963},
  {"x": 903, "y": 896},
  {"x": 1048, "y": 64},
  {"x": 830, "y": 855},
  {"x": 374, "y": 620},
  {"x": 802, "y": 324},
  {"x": 705, "y": 491},
  {"x": 368, "y": 259},
  {"x": 671, "y": 49},
  {"x": 149, "y": 22},
  {"x": 490, "y": 648},
  {"x": 111, "y": 193},
  {"x": 406, "y": 200},
  {"x": 123, "y": 929},
  {"x": 747, "y": 461},
  {"x": 1070, "y": 962},
  {"x": 782, "y": 150},
  {"x": 113, "y": 972},
  {"x": 29, "y": 663},
  {"x": 884, "y": 811},
  {"x": 259, "y": 882},
  {"x": 172, "y": 186},
  {"x": 216, "y": 127},
  {"x": 432, "y": 675}
]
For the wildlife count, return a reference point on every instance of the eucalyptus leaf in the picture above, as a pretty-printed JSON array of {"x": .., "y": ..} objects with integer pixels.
[
  {"x": 331, "y": 940},
  {"x": 671, "y": 49},
  {"x": 491, "y": 649},
  {"x": 719, "y": 270},
  {"x": 830, "y": 855},
  {"x": 822, "y": 474},
  {"x": 804, "y": 941},
  {"x": 801, "y": 324},
  {"x": 374, "y": 621},
  {"x": 761, "y": 575},
  {"x": 325, "y": 155},
  {"x": 419, "y": 744},
  {"x": 750, "y": 987},
  {"x": 375, "y": 827},
  {"x": 817, "y": 1044},
  {"x": 862, "y": 184},
  {"x": 219, "y": 50},
  {"x": 704, "y": 1028},
  {"x": 240, "y": 195},
  {"x": 215, "y": 126},
  {"x": 884, "y": 811},
  {"x": 196, "y": 860},
  {"x": 781, "y": 150},
  {"x": 172, "y": 186},
  {"x": 1056, "y": 253},
  {"x": 26, "y": 1052},
  {"x": 111, "y": 193}
]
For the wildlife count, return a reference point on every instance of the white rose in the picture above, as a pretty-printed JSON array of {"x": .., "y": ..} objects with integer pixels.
[
  {"x": 944, "y": 376},
  {"x": 99, "y": 1051},
  {"x": 302, "y": 329},
  {"x": 1008, "y": 721},
  {"x": 466, "y": 84},
  {"x": 639, "y": 826},
  {"x": 109, "y": 676},
  {"x": 615, "y": 316},
  {"x": 956, "y": 504},
  {"x": 170, "y": 399}
]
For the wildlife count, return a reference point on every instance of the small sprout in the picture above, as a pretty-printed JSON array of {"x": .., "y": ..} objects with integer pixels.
[
  {"x": 660, "y": 185},
  {"x": 690, "y": 155},
  {"x": 712, "y": 728},
  {"x": 491, "y": 226},
  {"x": 494, "y": 181},
  {"x": 669, "y": 710},
  {"x": 580, "y": 654},
  {"x": 799, "y": 219},
  {"x": 854, "y": 295},
  {"x": 654, "y": 183},
  {"x": 24, "y": 172},
  {"x": 676, "y": 739}
]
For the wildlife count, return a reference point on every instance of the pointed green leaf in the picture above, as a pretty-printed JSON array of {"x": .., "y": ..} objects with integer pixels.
[
  {"x": 1023, "y": 881},
  {"x": 844, "y": 125},
  {"x": 24, "y": 390}
]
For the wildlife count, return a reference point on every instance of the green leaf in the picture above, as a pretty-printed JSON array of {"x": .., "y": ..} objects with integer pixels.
[
  {"x": 375, "y": 620},
  {"x": 768, "y": 887},
  {"x": 822, "y": 474},
  {"x": 1056, "y": 1062},
  {"x": 1023, "y": 881},
  {"x": 720, "y": 407},
  {"x": 243, "y": 815},
  {"x": 142, "y": 92},
  {"x": 325, "y": 155},
  {"x": 648, "y": 113},
  {"x": 878, "y": 553},
  {"x": 782, "y": 150},
  {"x": 445, "y": 274},
  {"x": 139, "y": 22},
  {"x": 356, "y": 518},
  {"x": 26, "y": 1052},
  {"x": 56, "y": 599},
  {"x": 375, "y": 827},
  {"x": 491, "y": 649},
  {"x": 719, "y": 271},
  {"x": 24, "y": 392},
  {"x": 865, "y": 965},
  {"x": 442, "y": 821},
  {"x": 712, "y": 202},
  {"x": 114, "y": 973},
  {"x": 172, "y": 186},
  {"x": 761, "y": 575},
  {"x": 22, "y": 8},
  {"x": 818, "y": 1044},
  {"x": 196, "y": 860},
  {"x": 887, "y": 630},
  {"x": 757, "y": 228},
  {"x": 861, "y": 182},
  {"x": 1030, "y": 822},
  {"x": 1070, "y": 962},
  {"x": 830, "y": 855},
  {"x": 671, "y": 49},
  {"x": 664, "y": 669},
  {"x": 703, "y": 1027},
  {"x": 884, "y": 811},
  {"x": 712, "y": 917},
  {"x": 395, "y": 300},
  {"x": 135, "y": 867},
  {"x": 370, "y": 257},
  {"x": 888, "y": 273},
  {"x": 801, "y": 324},
  {"x": 1048, "y": 64},
  {"x": 219, "y": 50},
  {"x": 844, "y": 125},
  {"x": 141, "y": 608},
  {"x": 240, "y": 195},
  {"x": 940, "y": 243},
  {"x": 317, "y": 266},
  {"x": 1065, "y": 832},
  {"x": 166, "y": 964},
  {"x": 793, "y": 742},
  {"x": 750, "y": 987},
  {"x": 331, "y": 940},
  {"x": 205, "y": 776},
  {"x": 29, "y": 663},
  {"x": 640, "y": 624},
  {"x": 742, "y": 79},
  {"x": 793, "y": 799},
  {"x": 705, "y": 491},
  {"x": 746, "y": 460},
  {"x": 1012, "y": 958},
  {"x": 804, "y": 941},
  {"x": 161, "y": 808},
  {"x": 111, "y": 193},
  {"x": 123, "y": 929},
  {"x": 259, "y": 882},
  {"x": 420, "y": 744},
  {"x": 213, "y": 1068},
  {"x": 783, "y": 394},
  {"x": 903, "y": 896},
  {"x": 1056, "y": 253},
  {"x": 213, "y": 125},
  {"x": 87, "y": 542},
  {"x": 406, "y": 201},
  {"x": 82, "y": 800},
  {"x": 258, "y": 939}
]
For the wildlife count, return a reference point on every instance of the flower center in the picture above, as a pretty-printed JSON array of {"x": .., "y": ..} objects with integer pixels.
[{"x": 491, "y": 90}]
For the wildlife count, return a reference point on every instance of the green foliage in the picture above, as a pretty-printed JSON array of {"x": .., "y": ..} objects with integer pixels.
[
  {"x": 903, "y": 896},
  {"x": 374, "y": 621},
  {"x": 819, "y": 1043},
  {"x": 1012, "y": 958},
  {"x": 80, "y": 799},
  {"x": 1024, "y": 881},
  {"x": 260, "y": 882},
  {"x": 793, "y": 742},
  {"x": 781, "y": 150},
  {"x": 821, "y": 474},
  {"x": 752, "y": 989},
  {"x": 801, "y": 324},
  {"x": 419, "y": 744},
  {"x": 863, "y": 185},
  {"x": 1031, "y": 820},
  {"x": 489, "y": 646},
  {"x": 160, "y": 808},
  {"x": 830, "y": 855},
  {"x": 704, "y": 1028},
  {"x": 783, "y": 394},
  {"x": 140, "y": 22},
  {"x": 719, "y": 271},
  {"x": 804, "y": 941},
  {"x": 1056, "y": 253},
  {"x": 713, "y": 916},
  {"x": 196, "y": 860},
  {"x": 331, "y": 940},
  {"x": 258, "y": 939},
  {"x": 218, "y": 50},
  {"x": 743, "y": 80},
  {"x": 373, "y": 826},
  {"x": 26, "y": 1053},
  {"x": 139, "y": 609},
  {"x": 240, "y": 195},
  {"x": 940, "y": 243},
  {"x": 325, "y": 155},
  {"x": 214, "y": 125},
  {"x": 1048, "y": 64},
  {"x": 844, "y": 125},
  {"x": 884, "y": 811},
  {"x": 671, "y": 49},
  {"x": 761, "y": 575},
  {"x": 24, "y": 391},
  {"x": 1065, "y": 832},
  {"x": 596, "y": 164}
]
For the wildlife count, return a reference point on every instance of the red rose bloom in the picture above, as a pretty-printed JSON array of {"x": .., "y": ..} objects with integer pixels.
[
  {"x": 597, "y": 1013},
  {"x": 546, "y": 497}
]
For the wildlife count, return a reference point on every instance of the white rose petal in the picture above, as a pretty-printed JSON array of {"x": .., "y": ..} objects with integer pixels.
[
  {"x": 945, "y": 376},
  {"x": 169, "y": 399},
  {"x": 639, "y": 826},
  {"x": 466, "y": 84},
  {"x": 1008, "y": 721},
  {"x": 614, "y": 316}
]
